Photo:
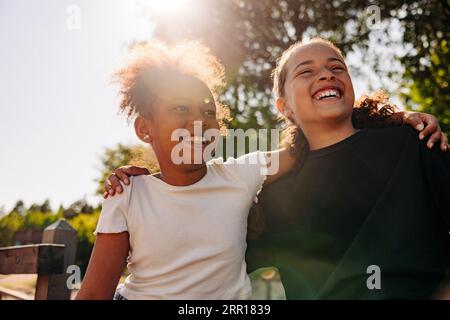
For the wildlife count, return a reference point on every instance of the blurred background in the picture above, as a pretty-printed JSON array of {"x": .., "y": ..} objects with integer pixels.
[{"x": 61, "y": 135}]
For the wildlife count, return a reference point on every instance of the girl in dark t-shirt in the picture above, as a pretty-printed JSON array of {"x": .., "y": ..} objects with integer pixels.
[{"x": 366, "y": 214}]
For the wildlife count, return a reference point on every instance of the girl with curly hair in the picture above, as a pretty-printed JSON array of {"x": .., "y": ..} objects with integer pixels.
[
  {"x": 366, "y": 213},
  {"x": 182, "y": 231},
  {"x": 186, "y": 226}
]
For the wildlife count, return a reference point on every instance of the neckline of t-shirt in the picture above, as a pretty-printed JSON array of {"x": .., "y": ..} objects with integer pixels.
[
  {"x": 170, "y": 186},
  {"x": 337, "y": 146}
]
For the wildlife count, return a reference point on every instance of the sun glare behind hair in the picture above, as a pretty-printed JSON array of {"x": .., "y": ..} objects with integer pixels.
[{"x": 163, "y": 6}]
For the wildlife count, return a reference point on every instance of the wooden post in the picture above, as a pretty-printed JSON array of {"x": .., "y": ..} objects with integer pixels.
[{"x": 54, "y": 287}]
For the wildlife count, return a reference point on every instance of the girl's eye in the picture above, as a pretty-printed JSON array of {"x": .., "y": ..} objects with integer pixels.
[
  {"x": 305, "y": 72},
  {"x": 210, "y": 113},
  {"x": 181, "y": 109},
  {"x": 338, "y": 68}
]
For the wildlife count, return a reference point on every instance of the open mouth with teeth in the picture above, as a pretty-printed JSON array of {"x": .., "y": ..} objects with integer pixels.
[
  {"x": 328, "y": 94},
  {"x": 195, "y": 140}
]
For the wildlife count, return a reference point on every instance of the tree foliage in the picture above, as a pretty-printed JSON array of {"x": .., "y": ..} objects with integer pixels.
[
  {"x": 121, "y": 155},
  {"x": 427, "y": 64},
  {"x": 249, "y": 36},
  {"x": 84, "y": 222}
]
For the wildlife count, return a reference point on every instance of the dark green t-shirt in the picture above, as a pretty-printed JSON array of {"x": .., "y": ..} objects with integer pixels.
[{"x": 379, "y": 197}]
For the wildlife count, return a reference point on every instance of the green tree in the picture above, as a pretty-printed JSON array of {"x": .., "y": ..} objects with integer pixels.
[
  {"x": 249, "y": 35},
  {"x": 34, "y": 208},
  {"x": 84, "y": 222},
  {"x": 45, "y": 206},
  {"x": 85, "y": 225},
  {"x": 19, "y": 208},
  {"x": 427, "y": 64},
  {"x": 9, "y": 224},
  {"x": 37, "y": 220},
  {"x": 110, "y": 160},
  {"x": 122, "y": 155},
  {"x": 78, "y": 207}
]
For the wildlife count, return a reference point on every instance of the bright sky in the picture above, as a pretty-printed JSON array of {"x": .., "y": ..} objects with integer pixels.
[{"x": 58, "y": 112}]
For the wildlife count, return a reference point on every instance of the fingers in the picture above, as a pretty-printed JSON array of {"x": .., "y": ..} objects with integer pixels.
[
  {"x": 112, "y": 185},
  {"x": 415, "y": 121},
  {"x": 115, "y": 183},
  {"x": 429, "y": 129},
  {"x": 122, "y": 176},
  {"x": 428, "y": 125},
  {"x": 134, "y": 171},
  {"x": 108, "y": 188},
  {"x": 433, "y": 138}
]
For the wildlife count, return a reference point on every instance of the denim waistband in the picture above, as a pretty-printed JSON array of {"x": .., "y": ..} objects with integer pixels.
[{"x": 118, "y": 296}]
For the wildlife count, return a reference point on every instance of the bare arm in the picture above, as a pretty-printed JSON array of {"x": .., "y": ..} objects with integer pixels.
[{"x": 105, "y": 266}]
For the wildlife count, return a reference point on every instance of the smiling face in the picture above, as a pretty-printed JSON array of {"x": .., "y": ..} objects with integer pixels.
[
  {"x": 318, "y": 88},
  {"x": 181, "y": 100}
]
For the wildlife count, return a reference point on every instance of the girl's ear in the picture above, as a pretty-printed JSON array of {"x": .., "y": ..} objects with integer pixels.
[
  {"x": 143, "y": 129},
  {"x": 283, "y": 108}
]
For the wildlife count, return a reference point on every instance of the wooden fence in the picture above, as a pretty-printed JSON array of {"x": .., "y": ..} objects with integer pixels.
[{"x": 49, "y": 260}]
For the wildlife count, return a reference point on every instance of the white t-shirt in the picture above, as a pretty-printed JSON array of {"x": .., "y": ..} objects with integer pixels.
[{"x": 187, "y": 242}]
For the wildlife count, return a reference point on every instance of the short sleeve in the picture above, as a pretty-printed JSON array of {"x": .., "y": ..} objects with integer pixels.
[
  {"x": 251, "y": 169},
  {"x": 113, "y": 217}
]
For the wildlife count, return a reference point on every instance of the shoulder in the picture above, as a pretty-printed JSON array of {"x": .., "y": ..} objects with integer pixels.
[
  {"x": 126, "y": 201},
  {"x": 402, "y": 143},
  {"x": 392, "y": 133},
  {"x": 393, "y": 138},
  {"x": 281, "y": 189},
  {"x": 136, "y": 182},
  {"x": 123, "y": 199},
  {"x": 249, "y": 170},
  {"x": 249, "y": 158},
  {"x": 254, "y": 159}
]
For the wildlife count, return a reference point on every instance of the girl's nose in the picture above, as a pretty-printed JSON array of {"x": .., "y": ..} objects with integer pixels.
[
  {"x": 326, "y": 74},
  {"x": 198, "y": 116},
  {"x": 197, "y": 121}
]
